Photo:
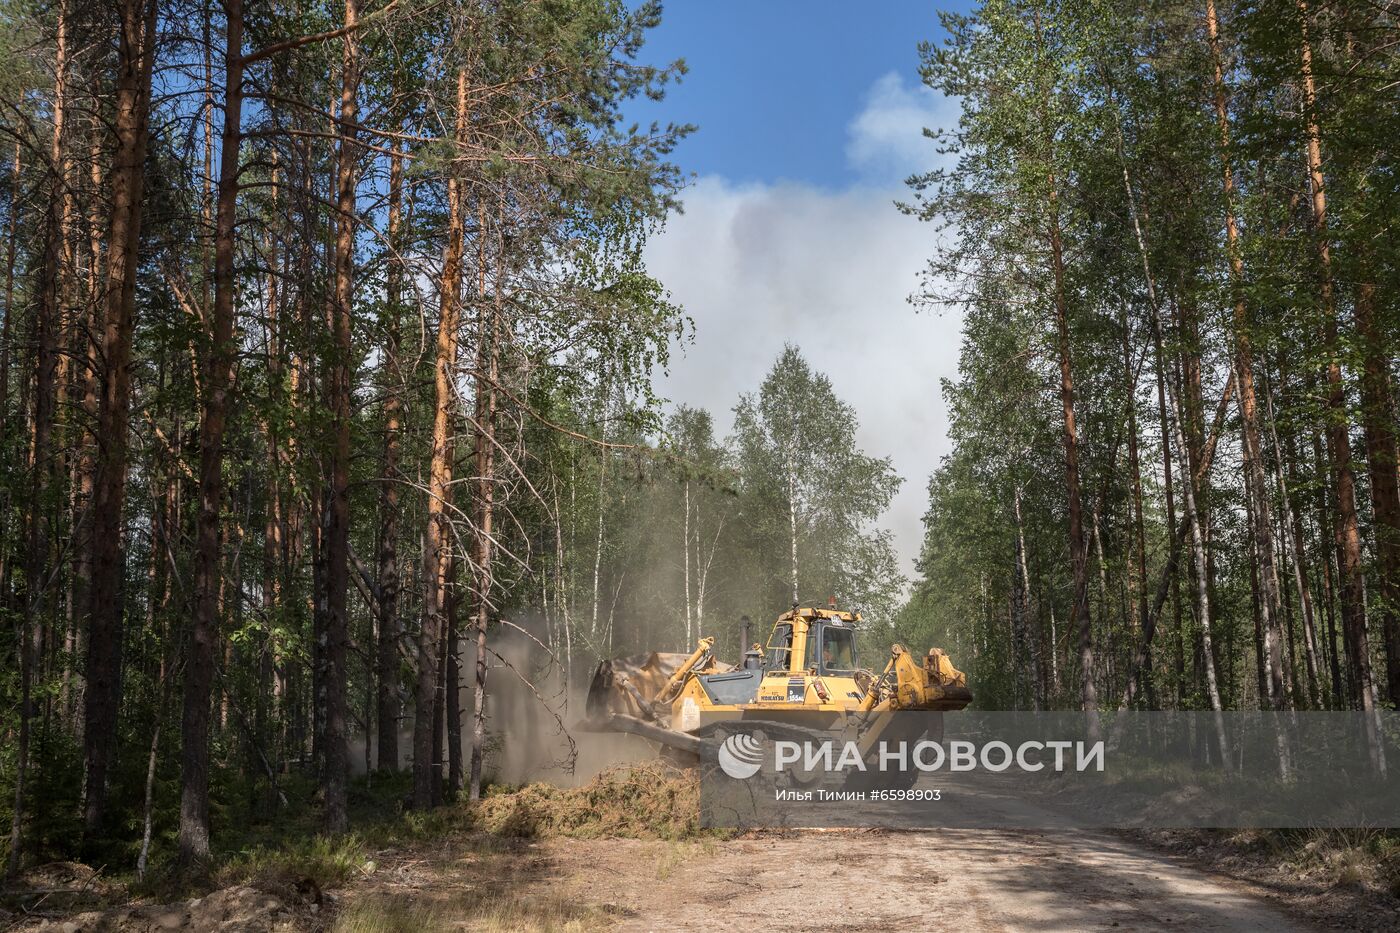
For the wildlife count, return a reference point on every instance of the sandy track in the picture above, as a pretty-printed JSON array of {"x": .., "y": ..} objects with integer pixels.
[{"x": 984, "y": 880}]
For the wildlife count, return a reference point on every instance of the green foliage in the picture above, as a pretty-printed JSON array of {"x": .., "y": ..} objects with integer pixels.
[
  {"x": 327, "y": 862},
  {"x": 1067, "y": 106},
  {"x": 802, "y": 475}
]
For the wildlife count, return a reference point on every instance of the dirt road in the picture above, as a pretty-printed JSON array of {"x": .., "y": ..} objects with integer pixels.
[
  {"x": 976, "y": 880},
  {"x": 985, "y": 880}
]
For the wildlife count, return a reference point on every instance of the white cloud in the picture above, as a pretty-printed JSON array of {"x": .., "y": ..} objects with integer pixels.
[
  {"x": 758, "y": 266},
  {"x": 885, "y": 142},
  {"x": 761, "y": 265}
]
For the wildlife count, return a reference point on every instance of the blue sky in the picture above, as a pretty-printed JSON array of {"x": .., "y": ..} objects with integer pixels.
[
  {"x": 773, "y": 84},
  {"x": 810, "y": 117}
]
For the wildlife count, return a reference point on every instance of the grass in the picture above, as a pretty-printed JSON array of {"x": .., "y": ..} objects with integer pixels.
[
  {"x": 677, "y": 854},
  {"x": 1355, "y": 862},
  {"x": 1351, "y": 857},
  {"x": 299, "y": 852},
  {"x": 327, "y": 862},
  {"x": 538, "y": 913}
]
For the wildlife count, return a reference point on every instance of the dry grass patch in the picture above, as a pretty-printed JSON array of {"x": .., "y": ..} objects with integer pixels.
[
  {"x": 676, "y": 854},
  {"x": 645, "y": 801},
  {"x": 477, "y": 911}
]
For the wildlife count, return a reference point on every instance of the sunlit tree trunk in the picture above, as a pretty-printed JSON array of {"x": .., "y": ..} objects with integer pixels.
[
  {"x": 790, "y": 470},
  {"x": 1078, "y": 541},
  {"x": 1257, "y": 485},
  {"x": 271, "y": 695},
  {"x": 1348, "y": 535},
  {"x": 602, "y": 512},
  {"x": 437, "y": 538},
  {"x": 1023, "y": 640}
]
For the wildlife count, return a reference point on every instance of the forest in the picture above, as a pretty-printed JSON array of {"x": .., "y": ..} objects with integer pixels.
[
  {"x": 327, "y": 360},
  {"x": 328, "y": 367},
  {"x": 1173, "y": 483}
]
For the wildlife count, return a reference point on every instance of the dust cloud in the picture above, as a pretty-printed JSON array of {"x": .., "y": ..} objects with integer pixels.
[{"x": 532, "y": 715}]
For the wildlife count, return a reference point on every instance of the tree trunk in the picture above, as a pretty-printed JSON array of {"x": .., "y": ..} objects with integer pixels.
[
  {"x": 440, "y": 696},
  {"x": 62, "y": 165},
  {"x": 1378, "y": 416},
  {"x": 602, "y": 492},
  {"x": 1322, "y": 509},
  {"x": 1173, "y": 412},
  {"x": 29, "y": 630},
  {"x": 83, "y": 344},
  {"x": 7, "y": 330},
  {"x": 320, "y": 608},
  {"x": 1293, "y": 544},
  {"x": 1257, "y": 485},
  {"x": 1078, "y": 546},
  {"x": 1202, "y": 576},
  {"x": 1139, "y": 534},
  {"x": 1348, "y": 534},
  {"x": 218, "y": 384},
  {"x": 1025, "y": 642},
  {"x": 487, "y": 375},
  {"x": 1180, "y": 625},
  {"x": 453, "y": 679},
  {"x": 338, "y": 538},
  {"x": 390, "y": 705},
  {"x": 437, "y": 539},
  {"x": 271, "y": 692},
  {"x": 685, "y": 560},
  {"x": 136, "y": 54},
  {"x": 148, "y": 811},
  {"x": 791, "y": 470}
]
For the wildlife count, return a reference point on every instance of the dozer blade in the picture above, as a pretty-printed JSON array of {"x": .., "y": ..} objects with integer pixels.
[
  {"x": 627, "y": 685},
  {"x": 955, "y": 697}
]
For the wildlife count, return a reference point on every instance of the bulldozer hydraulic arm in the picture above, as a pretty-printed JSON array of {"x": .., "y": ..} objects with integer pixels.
[
  {"x": 934, "y": 685},
  {"x": 673, "y": 686}
]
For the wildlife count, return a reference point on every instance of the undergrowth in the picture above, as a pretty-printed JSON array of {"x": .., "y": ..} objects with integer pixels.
[{"x": 651, "y": 800}]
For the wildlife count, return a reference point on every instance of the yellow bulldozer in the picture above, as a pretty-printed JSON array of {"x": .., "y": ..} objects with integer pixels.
[{"x": 805, "y": 684}]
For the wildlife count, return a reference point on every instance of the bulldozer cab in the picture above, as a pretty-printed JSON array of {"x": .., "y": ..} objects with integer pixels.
[
  {"x": 805, "y": 640},
  {"x": 831, "y": 648},
  {"x": 779, "y": 647}
]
